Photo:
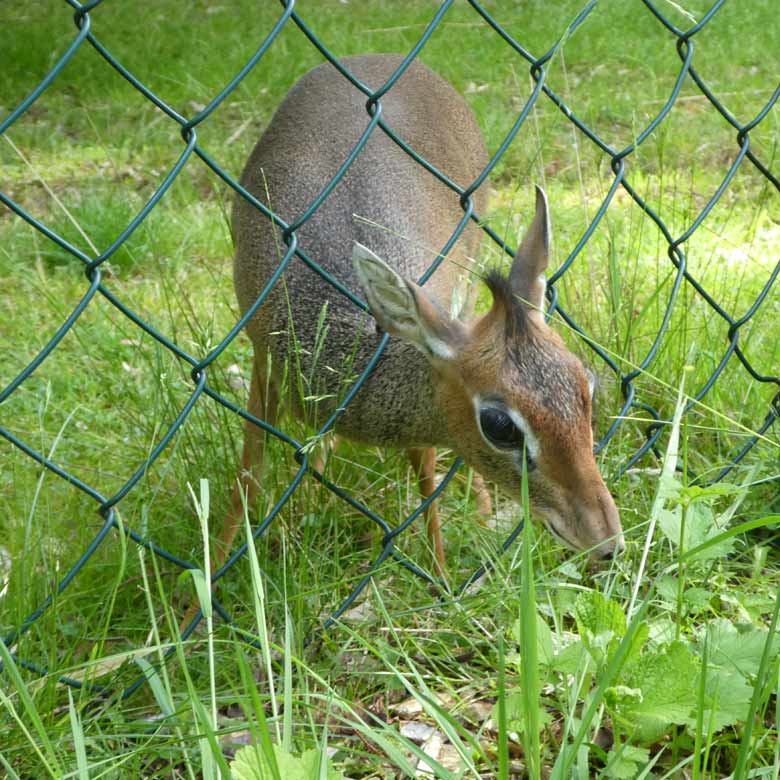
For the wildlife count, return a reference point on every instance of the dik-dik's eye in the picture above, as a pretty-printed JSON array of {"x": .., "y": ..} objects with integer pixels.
[{"x": 500, "y": 430}]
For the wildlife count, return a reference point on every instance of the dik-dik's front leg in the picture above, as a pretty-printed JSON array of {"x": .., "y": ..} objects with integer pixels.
[
  {"x": 424, "y": 465},
  {"x": 263, "y": 404},
  {"x": 482, "y": 496}
]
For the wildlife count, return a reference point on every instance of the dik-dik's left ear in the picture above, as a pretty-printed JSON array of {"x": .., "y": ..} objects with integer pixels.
[
  {"x": 404, "y": 309},
  {"x": 533, "y": 255}
]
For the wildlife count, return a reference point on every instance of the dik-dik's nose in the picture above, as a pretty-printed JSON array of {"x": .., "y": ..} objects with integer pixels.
[
  {"x": 611, "y": 531},
  {"x": 599, "y": 526},
  {"x": 610, "y": 549}
]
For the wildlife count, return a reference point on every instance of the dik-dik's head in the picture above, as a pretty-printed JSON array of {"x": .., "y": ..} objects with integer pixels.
[{"x": 507, "y": 385}]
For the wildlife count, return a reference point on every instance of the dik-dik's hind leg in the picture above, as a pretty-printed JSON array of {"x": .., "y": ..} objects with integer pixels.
[
  {"x": 324, "y": 451},
  {"x": 424, "y": 465},
  {"x": 263, "y": 404}
]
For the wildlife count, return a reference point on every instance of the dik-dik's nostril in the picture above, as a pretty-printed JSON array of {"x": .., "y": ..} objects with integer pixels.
[{"x": 613, "y": 548}]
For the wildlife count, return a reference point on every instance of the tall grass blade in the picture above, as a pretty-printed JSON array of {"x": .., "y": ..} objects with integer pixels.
[
  {"x": 259, "y": 604},
  {"x": 159, "y": 691},
  {"x": 12, "y": 775},
  {"x": 662, "y": 494},
  {"x": 48, "y": 755},
  {"x": 260, "y": 732},
  {"x": 79, "y": 745},
  {"x": 528, "y": 641},
  {"x": 503, "y": 726}
]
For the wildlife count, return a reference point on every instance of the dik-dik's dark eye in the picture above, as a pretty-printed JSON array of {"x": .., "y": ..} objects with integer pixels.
[{"x": 500, "y": 430}]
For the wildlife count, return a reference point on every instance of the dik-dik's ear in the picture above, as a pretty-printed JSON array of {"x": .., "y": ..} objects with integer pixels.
[
  {"x": 404, "y": 309},
  {"x": 533, "y": 255}
]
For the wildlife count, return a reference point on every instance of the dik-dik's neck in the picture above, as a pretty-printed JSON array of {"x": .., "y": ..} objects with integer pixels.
[
  {"x": 423, "y": 420},
  {"x": 398, "y": 406}
]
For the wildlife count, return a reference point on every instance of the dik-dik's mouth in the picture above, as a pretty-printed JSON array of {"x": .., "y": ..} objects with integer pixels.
[
  {"x": 547, "y": 516},
  {"x": 605, "y": 548}
]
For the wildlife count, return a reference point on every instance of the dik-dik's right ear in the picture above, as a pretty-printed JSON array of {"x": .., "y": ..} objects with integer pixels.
[
  {"x": 404, "y": 309},
  {"x": 533, "y": 255}
]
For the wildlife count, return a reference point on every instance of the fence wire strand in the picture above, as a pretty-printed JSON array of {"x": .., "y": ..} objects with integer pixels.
[{"x": 106, "y": 505}]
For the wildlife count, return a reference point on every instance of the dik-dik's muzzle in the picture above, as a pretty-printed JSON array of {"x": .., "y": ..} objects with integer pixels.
[
  {"x": 587, "y": 520},
  {"x": 598, "y": 526}
]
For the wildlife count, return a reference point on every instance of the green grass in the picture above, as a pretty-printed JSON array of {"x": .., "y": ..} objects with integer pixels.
[{"x": 656, "y": 666}]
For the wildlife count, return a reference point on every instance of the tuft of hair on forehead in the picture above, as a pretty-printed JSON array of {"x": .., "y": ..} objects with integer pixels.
[
  {"x": 536, "y": 363},
  {"x": 505, "y": 300}
]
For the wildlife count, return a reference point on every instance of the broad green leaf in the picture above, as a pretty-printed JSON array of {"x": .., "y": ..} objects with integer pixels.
[
  {"x": 515, "y": 712},
  {"x": 568, "y": 569},
  {"x": 639, "y": 641},
  {"x": 669, "y": 487},
  {"x": 544, "y": 643},
  {"x": 251, "y": 763},
  {"x": 700, "y": 526},
  {"x": 730, "y": 533},
  {"x": 661, "y": 632},
  {"x": 571, "y": 659},
  {"x": 658, "y": 690},
  {"x": 695, "y": 599},
  {"x": 624, "y": 763},
  {"x": 735, "y": 649},
  {"x": 666, "y": 588},
  {"x": 755, "y": 605},
  {"x": 311, "y": 761},
  {"x": 698, "y": 599},
  {"x": 727, "y": 694},
  {"x": 599, "y": 615},
  {"x": 601, "y": 624},
  {"x": 709, "y": 492}
]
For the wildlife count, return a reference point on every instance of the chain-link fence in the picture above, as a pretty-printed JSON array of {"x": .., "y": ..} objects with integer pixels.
[{"x": 203, "y": 392}]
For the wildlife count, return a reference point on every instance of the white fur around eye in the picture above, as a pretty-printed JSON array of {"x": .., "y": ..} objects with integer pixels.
[{"x": 531, "y": 442}]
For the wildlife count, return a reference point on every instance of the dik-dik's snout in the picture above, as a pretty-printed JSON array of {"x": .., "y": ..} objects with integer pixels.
[
  {"x": 601, "y": 525},
  {"x": 587, "y": 520}
]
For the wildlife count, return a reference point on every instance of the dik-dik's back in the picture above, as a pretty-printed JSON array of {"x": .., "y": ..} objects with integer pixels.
[{"x": 386, "y": 201}]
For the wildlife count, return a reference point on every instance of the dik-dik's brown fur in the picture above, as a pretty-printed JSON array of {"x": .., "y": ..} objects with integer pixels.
[{"x": 443, "y": 380}]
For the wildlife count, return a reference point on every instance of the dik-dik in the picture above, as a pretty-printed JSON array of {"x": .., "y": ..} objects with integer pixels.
[{"x": 490, "y": 388}]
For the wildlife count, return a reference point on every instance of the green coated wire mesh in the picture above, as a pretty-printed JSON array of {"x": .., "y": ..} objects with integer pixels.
[{"x": 200, "y": 363}]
